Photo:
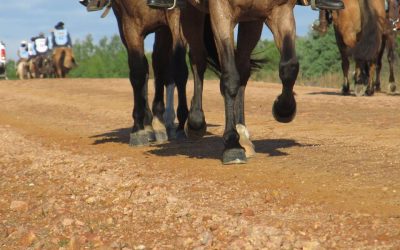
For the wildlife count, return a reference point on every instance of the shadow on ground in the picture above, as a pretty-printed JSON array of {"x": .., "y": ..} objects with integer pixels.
[{"x": 209, "y": 147}]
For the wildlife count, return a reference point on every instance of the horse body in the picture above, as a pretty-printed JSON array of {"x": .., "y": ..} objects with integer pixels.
[
  {"x": 135, "y": 21},
  {"x": 359, "y": 29},
  {"x": 250, "y": 15},
  {"x": 63, "y": 60}
]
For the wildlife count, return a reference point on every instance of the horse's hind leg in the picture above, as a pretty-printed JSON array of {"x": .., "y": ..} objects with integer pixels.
[
  {"x": 379, "y": 65},
  {"x": 345, "y": 63},
  {"x": 180, "y": 75},
  {"x": 390, "y": 57},
  {"x": 248, "y": 35},
  {"x": 162, "y": 77},
  {"x": 192, "y": 27},
  {"x": 230, "y": 78},
  {"x": 282, "y": 24}
]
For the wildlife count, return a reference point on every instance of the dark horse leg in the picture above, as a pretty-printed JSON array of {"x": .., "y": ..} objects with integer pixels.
[
  {"x": 391, "y": 57},
  {"x": 180, "y": 76},
  {"x": 162, "y": 77},
  {"x": 379, "y": 64},
  {"x": 223, "y": 25},
  {"x": 345, "y": 63},
  {"x": 282, "y": 24},
  {"x": 139, "y": 74},
  {"x": 192, "y": 25},
  {"x": 248, "y": 35}
]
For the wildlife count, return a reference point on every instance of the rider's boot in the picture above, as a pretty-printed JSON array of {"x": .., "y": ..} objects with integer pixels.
[
  {"x": 323, "y": 4},
  {"x": 165, "y": 3}
]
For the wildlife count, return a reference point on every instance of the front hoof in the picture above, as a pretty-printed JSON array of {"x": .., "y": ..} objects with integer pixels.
[
  {"x": 139, "y": 138},
  {"x": 195, "y": 134},
  {"x": 345, "y": 90},
  {"x": 369, "y": 91},
  {"x": 245, "y": 141},
  {"x": 392, "y": 88},
  {"x": 234, "y": 156},
  {"x": 171, "y": 132},
  {"x": 180, "y": 135},
  {"x": 284, "y": 112},
  {"x": 160, "y": 132}
]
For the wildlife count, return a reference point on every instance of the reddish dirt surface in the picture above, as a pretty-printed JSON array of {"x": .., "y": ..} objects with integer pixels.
[{"x": 69, "y": 180}]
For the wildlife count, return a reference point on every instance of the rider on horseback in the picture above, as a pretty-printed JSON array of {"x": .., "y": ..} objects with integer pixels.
[
  {"x": 60, "y": 36},
  {"x": 23, "y": 53}
]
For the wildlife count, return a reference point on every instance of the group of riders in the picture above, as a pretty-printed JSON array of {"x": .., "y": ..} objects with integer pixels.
[{"x": 37, "y": 56}]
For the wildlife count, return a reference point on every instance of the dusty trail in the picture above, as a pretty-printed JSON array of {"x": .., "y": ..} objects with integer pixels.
[{"x": 68, "y": 178}]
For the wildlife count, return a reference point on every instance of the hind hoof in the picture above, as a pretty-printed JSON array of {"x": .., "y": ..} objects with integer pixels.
[
  {"x": 284, "y": 115},
  {"x": 161, "y": 137},
  {"x": 195, "y": 134},
  {"x": 392, "y": 88},
  {"x": 139, "y": 138},
  {"x": 359, "y": 90},
  {"x": 171, "y": 132},
  {"x": 234, "y": 156}
]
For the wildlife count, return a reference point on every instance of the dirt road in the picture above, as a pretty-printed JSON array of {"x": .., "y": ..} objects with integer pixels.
[{"x": 69, "y": 180}]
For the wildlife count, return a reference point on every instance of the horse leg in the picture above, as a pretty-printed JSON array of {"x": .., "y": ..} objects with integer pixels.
[
  {"x": 223, "y": 25},
  {"x": 180, "y": 75},
  {"x": 162, "y": 76},
  {"x": 248, "y": 36},
  {"x": 282, "y": 24},
  {"x": 138, "y": 76},
  {"x": 391, "y": 57},
  {"x": 345, "y": 63},
  {"x": 195, "y": 126},
  {"x": 379, "y": 64}
]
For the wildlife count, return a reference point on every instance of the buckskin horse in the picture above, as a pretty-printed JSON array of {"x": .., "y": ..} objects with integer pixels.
[
  {"x": 63, "y": 60},
  {"x": 388, "y": 42},
  {"x": 250, "y": 15},
  {"x": 135, "y": 21},
  {"x": 359, "y": 29}
]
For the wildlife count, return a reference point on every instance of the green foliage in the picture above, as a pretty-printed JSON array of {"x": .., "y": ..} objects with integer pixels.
[{"x": 11, "y": 70}]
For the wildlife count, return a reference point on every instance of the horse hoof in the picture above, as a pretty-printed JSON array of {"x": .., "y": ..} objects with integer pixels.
[
  {"x": 160, "y": 131},
  {"x": 171, "y": 132},
  {"x": 195, "y": 134},
  {"x": 139, "y": 138},
  {"x": 245, "y": 141},
  {"x": 392, "y": 88},
  {"x": 369, "y": 91},
  {"x": 151, "y": 137},
  {"x": 234, "y": 156},
  {"x": 284, "y": 114},
  {"x": 345, "y": 90},
  {"x": 180, "y": 135},
  {"x": 359, "y": 90},
  {"x": 378, "y": 88}
]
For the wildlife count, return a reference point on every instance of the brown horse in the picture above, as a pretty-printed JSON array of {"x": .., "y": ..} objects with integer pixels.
[
  {"x": 63, "y": 60},
  {"x": 359, "y": 29},
  {"x": 135, "y": 21},
  {"x": 250, "y": 15},
  {"x": 388, "y": 42}
]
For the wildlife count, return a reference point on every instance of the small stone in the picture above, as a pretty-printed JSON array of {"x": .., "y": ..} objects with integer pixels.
[
  {"x": 110, "y": 221},
  {"x": 67, "y": 222},
  {"x": 172, "y": 199},
  {"x": 20, "y": 206},
  {"x": 79, "y": 223},
  {"x": 311, "y": 245},
  {"x": 90, "y": 200},
  {"x": 140, "y": 247},
  {"x": 248, "y": 212},
  {"x": 29, "y": 239}
]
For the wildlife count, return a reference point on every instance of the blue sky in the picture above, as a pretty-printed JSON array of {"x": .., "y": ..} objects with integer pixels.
[{"x": 22, "y": 19}]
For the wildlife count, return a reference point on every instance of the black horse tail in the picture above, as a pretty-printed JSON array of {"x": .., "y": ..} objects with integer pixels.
[
  {"x": 212, "y": 52},
  {"x": 370, "y": 41}
]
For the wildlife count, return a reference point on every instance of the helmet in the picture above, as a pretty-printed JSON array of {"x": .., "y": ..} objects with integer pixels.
[
  {"x": 59, "y": 25},
  {"x": 23, "y": 42}
]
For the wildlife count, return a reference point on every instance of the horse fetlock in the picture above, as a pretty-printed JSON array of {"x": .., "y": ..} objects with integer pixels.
[
  {"x": 245, "y": 141},
  {"x": 160, "y": 131}
]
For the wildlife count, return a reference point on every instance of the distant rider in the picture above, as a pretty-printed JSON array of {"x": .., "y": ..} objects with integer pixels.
[
  {"x": 61, "y": 36},
  {"x": 23, "y": 53},
  {"x": 40, "y": 44}
]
